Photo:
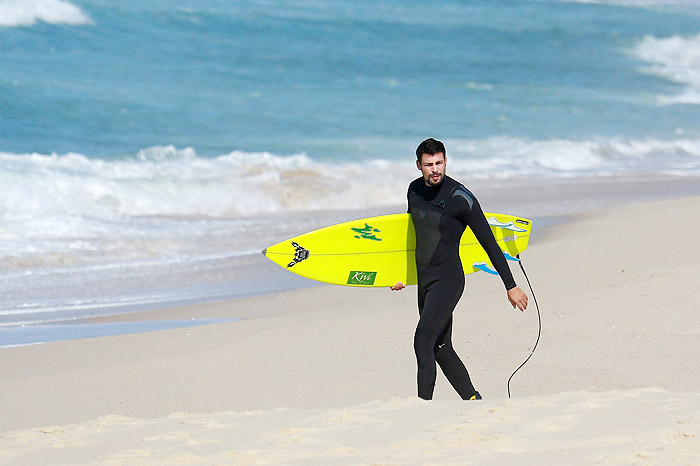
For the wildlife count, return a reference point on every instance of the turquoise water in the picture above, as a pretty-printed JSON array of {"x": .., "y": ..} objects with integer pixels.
[
  {"x": 149, "y": 148},
  {"x": 323, "y": 77}
]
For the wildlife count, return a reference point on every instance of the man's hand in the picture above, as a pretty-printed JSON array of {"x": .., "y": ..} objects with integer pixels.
[
  {"x": 398, "y": 287},
  {"x": 517, "y": 298}
]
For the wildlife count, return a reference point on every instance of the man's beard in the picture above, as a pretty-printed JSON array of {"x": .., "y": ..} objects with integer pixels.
[{"x": 429, "y": 181}]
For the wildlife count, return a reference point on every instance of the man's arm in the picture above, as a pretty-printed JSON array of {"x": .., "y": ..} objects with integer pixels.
[{"x": 481, "y": 229}]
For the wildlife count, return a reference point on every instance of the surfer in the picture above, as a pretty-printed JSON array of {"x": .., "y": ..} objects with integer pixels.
[{"x": 441, "y": 209}]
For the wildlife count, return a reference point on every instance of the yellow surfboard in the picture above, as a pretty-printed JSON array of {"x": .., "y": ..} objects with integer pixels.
[{"x": 380, "y": 251}]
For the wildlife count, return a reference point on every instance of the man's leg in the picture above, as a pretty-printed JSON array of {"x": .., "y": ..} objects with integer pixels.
[
  {"x": 436, "y": 304},
  {"x": 452, "y": 366}
]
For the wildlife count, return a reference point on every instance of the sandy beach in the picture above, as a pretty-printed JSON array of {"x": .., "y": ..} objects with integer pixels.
[{"x": 326, "y": 375}]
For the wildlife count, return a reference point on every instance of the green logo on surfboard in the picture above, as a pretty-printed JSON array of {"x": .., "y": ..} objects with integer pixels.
[
  {"x": 367, "y": 232},
  {"x": 362, "y": 278}
]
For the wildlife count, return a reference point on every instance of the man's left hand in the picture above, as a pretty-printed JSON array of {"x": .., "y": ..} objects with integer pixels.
[{"x": 517, "y": 298}]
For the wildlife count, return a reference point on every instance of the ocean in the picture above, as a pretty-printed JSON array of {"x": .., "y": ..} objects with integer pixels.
[{"x": 150, "y": 150}]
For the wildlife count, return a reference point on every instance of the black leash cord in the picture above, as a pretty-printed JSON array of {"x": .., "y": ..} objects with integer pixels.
[{"x": 539, "y": 324}]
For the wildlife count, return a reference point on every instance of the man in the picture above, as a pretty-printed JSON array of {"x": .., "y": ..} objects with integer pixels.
[{"x": 441, "y": 209}]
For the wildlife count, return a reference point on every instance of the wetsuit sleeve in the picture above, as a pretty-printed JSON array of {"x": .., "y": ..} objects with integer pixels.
[{"x": 477, "y": 222}]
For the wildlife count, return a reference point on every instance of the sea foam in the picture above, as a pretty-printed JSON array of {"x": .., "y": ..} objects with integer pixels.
[
  {"x": 16, "y": 13},
  {"x": 676, "y": 58},
  {"x": 167, "y": 181}
]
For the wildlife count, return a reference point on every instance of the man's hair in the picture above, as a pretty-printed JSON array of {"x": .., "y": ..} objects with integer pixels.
[{"x": 431, "y": 147}]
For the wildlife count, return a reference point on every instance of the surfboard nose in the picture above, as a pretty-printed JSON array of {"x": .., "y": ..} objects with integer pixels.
[{"x": 264, "y": 252}]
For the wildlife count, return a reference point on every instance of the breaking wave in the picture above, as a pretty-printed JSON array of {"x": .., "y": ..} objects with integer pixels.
[
  {"x": 166, "y": 181},
  {"x": 17, "y": 13},
  {"x": 677, "y": 59}
]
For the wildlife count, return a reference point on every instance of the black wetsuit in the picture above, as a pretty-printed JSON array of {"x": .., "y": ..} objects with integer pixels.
[{"x": 440, "y": 216}]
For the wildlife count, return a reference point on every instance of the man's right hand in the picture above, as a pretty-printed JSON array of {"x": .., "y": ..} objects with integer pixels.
[
  {"x": 517, "y": 298},
  {"x": 398, "y": 287}
]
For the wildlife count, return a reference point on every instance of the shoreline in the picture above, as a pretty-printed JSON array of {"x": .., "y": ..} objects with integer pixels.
[
  {"x": 557, "y": 201},
  {"x": 168, "y": 315}
]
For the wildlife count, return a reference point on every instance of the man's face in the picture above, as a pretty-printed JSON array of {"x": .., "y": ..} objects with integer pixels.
[{"x": 433, "y": 168}]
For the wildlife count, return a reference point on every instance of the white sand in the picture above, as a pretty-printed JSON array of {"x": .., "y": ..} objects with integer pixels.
[
  {"x": 644, "y": 426},
  {"x": 299, "y": 385}
]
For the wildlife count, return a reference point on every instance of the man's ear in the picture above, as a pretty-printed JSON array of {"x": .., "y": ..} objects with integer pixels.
[{"x": 418, "y": 164}]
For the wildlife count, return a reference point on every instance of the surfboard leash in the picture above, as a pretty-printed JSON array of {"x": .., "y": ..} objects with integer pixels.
[{"x": 539, "y": 323}]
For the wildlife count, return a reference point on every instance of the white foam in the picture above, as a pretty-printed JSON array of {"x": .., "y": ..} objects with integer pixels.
[
  {"x": 15, "y": 13},
  {"x": 166, "y": 181},
  {"x": 65, "y": 210},
  {"x": 504, "y": 157},
  {"x": 677, "y": 59},
  {"x": 169, "y": 182}
]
